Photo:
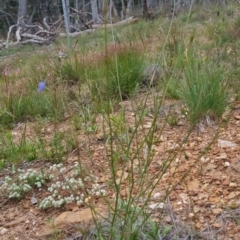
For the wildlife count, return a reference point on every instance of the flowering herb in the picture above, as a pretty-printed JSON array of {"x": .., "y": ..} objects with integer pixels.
[
  {"x": 41, "y": 86},
  {"x": 61, "y": 189}
]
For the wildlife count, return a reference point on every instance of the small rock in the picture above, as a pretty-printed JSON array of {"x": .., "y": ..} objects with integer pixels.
[
  {"x": 151, "y": 74},
  {"x": 191, "y": 215},
  {"x": 34, "y": 200},
  {"x": 184, "y": 197},
  {"x": 198, "y": 225},
  {"x": 196, "y": 209},
  {"x": 203, "y": 159},
  {"x": 217, "y": 211},
  {"x": 163, "y": 138},
  {"x": 227, "y": 164},
  {"x": 168, "y": 219},
  {"x": 191, "y": 145},
  {"x": 225, "y": 182},
  {"x": 181, "y": 123},
  {"x": 213, "y": 199},
  {"x": 235, "y": 165},
  {"x": 237, "y": 116},
  {"x": 222, "y": 156},
  {"x": 188, "y": 155},
  {"x": 156, "y": 205},
  {"x": 232, "y": 195},
  {"x": 217, "y": 225},
  {"x": 174, "y": 146},
  {"x": 232, "y": 184},
  {"x": 225, "y": 144},
  {"x": 4, "y": 231},
  {"x": 156, "y": 195},
  {"x": 147, "y": 125},
  {"x": 210, "y": 166},
  {"x": 193, "y": 185}
]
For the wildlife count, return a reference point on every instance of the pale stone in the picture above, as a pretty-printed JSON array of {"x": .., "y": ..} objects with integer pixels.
[
  {"x": 4, "y": 231},
  {"x": 156, "y": 195},
  {"x": 156, "y": 205},
  {"x": 227, "y": 164},
  {"x": 232, "y": 184},
  {"x": 217, "y": 211}
]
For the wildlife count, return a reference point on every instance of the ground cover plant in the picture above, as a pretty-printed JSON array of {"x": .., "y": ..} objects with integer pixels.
[{"x": 84, "y": 132}]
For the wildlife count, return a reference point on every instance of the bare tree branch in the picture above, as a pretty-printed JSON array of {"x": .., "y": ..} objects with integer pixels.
[
  {"x": 8, "y": 35},
  {"x": 7, "y": 14}
]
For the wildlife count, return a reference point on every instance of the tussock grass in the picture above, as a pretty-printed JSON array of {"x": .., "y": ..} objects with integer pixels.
[{"x": 203, "y": 90}]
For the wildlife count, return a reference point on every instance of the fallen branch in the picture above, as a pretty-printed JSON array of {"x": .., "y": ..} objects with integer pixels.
[
  {"x": 75, "y": 34},
  {"x": 46, "y": 32},
  {"x": 123, "y": 22},
  {"x": 8, "y": 35},
  {"x": 33, "y": 37},
  {"x": 99, "y": 26},
  {"x": 47, "y": 35},
  {"x": 40, "y": 35},
  {"x": 28, "y": 41}
]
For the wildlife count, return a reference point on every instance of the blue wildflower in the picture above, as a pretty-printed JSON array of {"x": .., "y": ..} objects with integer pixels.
[{"x": 41, "y": 86}]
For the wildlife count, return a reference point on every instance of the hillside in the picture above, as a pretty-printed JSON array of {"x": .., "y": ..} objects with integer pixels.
[{"x": 130, "y": 133}]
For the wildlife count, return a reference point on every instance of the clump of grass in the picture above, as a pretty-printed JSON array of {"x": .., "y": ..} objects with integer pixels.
[
  {"x": 70, "y": 69},
  {"x": 18, "y": 108},
  {"x": 56, "y": 150},
  {"x": 116, "y": 76},
  {"x": 12, "y": 152},
  {"x": 136, "y": 224},
  {"x": 171, "y": 87},
  {"x": 125, "y": 73},
  {"x": 221, "y": 32},
  {"x": 203, "y": 90},
  {"x": 175, "y": 39}
]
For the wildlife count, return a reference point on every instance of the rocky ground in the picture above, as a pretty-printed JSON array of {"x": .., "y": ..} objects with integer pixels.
[{"x": 206, "y": 186}]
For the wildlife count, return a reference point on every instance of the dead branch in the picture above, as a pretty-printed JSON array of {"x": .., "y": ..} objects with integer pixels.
[
  {"x": 60, "y": 20},
  {"x": 120, "y": 23},
  {"x": 46, "y": 24},
  {"x": 8, "y": 35},
  {"x": 75, "y": 34},
  {"x": 34, "y": 33},
  {"x": 80, "y": 13},
  {"x": 8, "y": 14},
  {"x": 27, "y": 41},
  {"x": 98, "y": 26},
  {"x": 18, "y": 36},
  {"x": 33, "y": 37},
  {"x": 43, "y": 36},
  {"x": 46, "y": 32}
]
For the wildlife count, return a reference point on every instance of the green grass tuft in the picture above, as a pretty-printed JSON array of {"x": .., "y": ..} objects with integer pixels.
[
  {"x": 126, "y": 73},
  {"x": 203, "y": 91}
]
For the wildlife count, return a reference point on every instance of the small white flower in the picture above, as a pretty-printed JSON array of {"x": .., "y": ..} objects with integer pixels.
[{"x": 63, "y": 170}]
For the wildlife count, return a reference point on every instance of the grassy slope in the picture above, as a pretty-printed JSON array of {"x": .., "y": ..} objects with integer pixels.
[{"x": 198, "y": 60}]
